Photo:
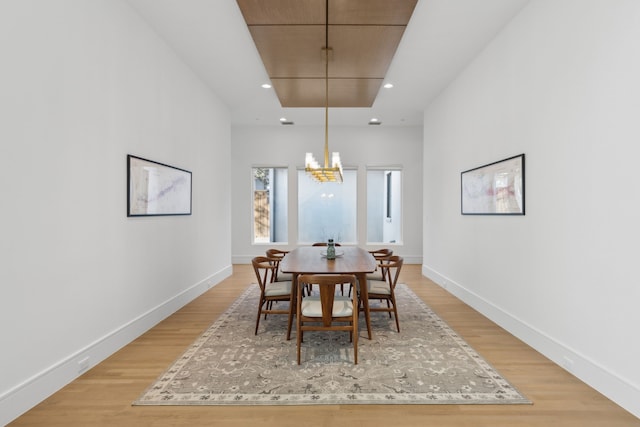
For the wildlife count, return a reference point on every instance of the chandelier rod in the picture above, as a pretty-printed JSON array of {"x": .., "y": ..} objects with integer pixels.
[
  {"x": 326, "y": 85},
  {"x": 327, "y": 173}
]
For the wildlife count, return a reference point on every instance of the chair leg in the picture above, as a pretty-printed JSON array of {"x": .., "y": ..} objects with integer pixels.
[
  {"x": 355, "y": 347},
  {"x": 258, "y": 318},
  {"x": 395, "y": 313},
  {"x": 290, "y": 320}
]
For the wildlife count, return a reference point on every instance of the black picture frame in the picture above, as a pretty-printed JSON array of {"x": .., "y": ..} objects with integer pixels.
[
  {"x": 157, "y": 189},
  {"x": 494, "y": 189}
]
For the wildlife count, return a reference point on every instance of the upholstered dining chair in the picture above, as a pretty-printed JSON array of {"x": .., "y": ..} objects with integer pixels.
[
  {"x": 272, "y": 292},
  {"x": 384, "y": 290},
  {"x": 276, "y": 256},
  {"x": 380, "y": 256},
  {"x": 327, "y": 311}
]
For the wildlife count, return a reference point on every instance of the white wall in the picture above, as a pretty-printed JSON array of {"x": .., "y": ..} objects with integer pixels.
[
  {"x": 359, "y": 147},
  {"x": 561, "y": 85},
  {"x": 83, "y": 84}
]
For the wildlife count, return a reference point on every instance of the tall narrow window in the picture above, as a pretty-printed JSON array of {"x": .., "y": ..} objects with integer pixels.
[
  {"x": 270, "y": 205},
  {"x": 384, "y": 206},
  {"x": 327, "y": 210}
]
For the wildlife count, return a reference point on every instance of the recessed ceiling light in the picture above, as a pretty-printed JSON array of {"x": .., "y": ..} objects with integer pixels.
[
  {"x": 374, "y": 121},
  {"x": 388, "y": 85},
  {"x": 283, "y": 119},
  {"x": 266, "y": 86}
]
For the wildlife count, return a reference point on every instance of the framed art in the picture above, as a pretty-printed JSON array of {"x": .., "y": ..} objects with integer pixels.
[
  {"x": 494, "y": 189},
  {"x": 157, "y": 189}
]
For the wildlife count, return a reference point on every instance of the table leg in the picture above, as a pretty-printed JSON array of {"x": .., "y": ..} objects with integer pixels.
[
  {"x": 292, "y": 302},
  {"x": 364, "y": 296}
]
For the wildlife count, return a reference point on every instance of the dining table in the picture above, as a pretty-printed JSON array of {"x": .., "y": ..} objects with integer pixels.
[{"x": 313, "y": 260}]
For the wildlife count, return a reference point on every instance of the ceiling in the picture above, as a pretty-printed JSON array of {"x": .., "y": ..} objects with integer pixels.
[
  {"x": 440, "y": 40},
  {"x": 362, "y": 36}
]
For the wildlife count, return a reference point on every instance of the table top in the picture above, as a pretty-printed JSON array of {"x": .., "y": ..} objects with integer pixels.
[{"x": 310, "y": 260}]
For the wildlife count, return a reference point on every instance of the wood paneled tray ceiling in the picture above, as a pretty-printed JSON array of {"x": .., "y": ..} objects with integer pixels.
[{"x": 290, "y": 36}]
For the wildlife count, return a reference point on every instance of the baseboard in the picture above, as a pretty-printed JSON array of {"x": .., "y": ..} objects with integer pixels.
[
  {"x": 246, "y": 259},
  {"x": 617, "y": 389},
  {"x": 25, "y": 396}
]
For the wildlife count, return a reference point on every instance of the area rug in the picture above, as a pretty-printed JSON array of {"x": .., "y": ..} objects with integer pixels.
[{"x": 426, "y": 363}]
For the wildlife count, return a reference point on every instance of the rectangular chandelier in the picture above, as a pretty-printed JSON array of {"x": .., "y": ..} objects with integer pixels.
[{"x": 326, "y": 173}]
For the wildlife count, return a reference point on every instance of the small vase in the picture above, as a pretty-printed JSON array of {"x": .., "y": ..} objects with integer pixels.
[{"x": 331, "y": 250}]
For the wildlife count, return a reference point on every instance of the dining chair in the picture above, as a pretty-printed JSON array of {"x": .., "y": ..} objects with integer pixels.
[
  {"x": 271, "y": 292},
  {"x": 384, "y": 290},
  {"x": 276, "y": 256},
  {"x": 327, "y": 311},
  {"x": 380, "y": 256}
]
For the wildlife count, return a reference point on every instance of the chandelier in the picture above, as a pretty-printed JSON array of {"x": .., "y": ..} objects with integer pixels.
[{"x": 327, "y": 173}]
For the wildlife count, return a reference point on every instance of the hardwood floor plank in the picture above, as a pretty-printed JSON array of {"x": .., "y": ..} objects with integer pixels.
[{"x": 103, "y": 395}]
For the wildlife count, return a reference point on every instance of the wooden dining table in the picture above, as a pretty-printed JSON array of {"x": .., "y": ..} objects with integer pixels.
[{"x": 312, "y": 260}]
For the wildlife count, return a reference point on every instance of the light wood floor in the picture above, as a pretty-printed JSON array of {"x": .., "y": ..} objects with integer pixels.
[{"x": 103, "y": 396}]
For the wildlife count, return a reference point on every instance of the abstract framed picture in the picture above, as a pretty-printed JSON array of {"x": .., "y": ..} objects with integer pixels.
[
  {"x": 155, "y": 189},
  {"x": 494, "y": 189}
]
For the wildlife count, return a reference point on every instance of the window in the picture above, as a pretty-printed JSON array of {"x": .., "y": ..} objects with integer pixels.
[
  {"x": 270, "y": 205},
  {"x": 384, "y": 206},
  {"x": 327, "y": 210}
]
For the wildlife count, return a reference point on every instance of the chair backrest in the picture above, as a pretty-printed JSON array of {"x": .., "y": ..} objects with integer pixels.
[
  {"x": 275, "y": 256},
  {"x": 380, "y": 254},
  {"x": 327, "y": 285},
  {"x": 392, "y": 266},
  {"x": 264, "y": 269},
  {"x": 276, "y": 253}
]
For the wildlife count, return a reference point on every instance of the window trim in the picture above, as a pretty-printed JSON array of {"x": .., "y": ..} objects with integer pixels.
[
  {"x": 251, "y": 215},
  {"x": 389, "y": 168},
  {"x": 299, "y": 169}
]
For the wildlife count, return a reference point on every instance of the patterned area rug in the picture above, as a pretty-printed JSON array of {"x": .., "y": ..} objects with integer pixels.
[{"x": 426, "y": 363}]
